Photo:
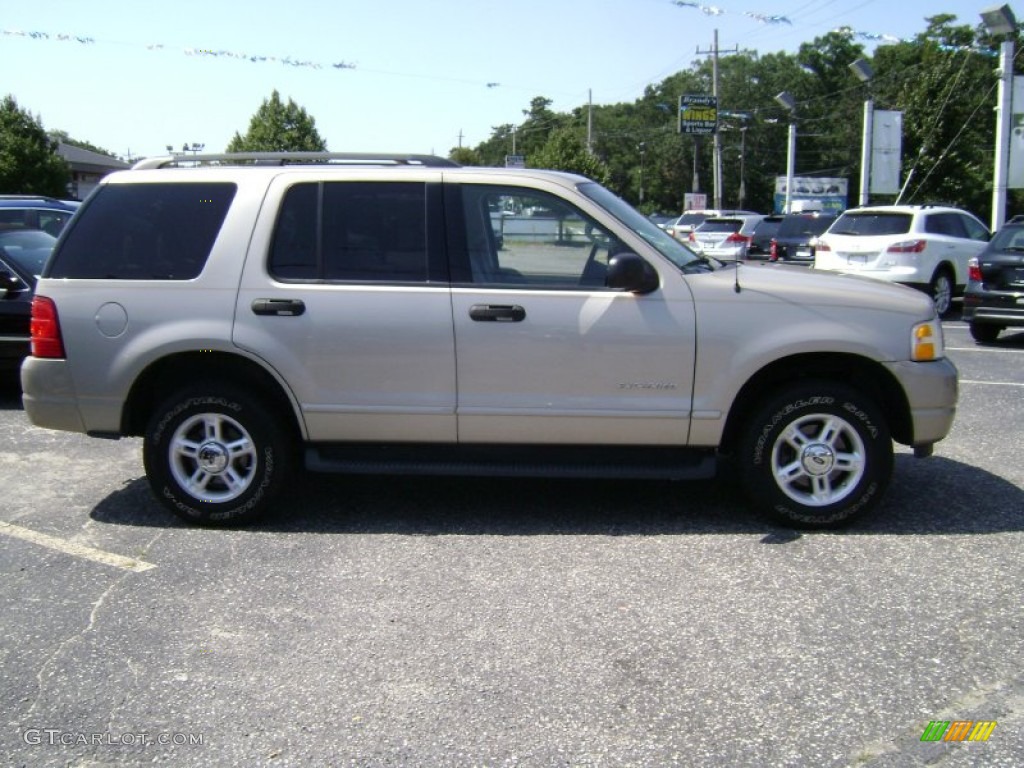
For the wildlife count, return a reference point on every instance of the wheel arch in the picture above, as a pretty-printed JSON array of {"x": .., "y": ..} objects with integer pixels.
[
  {"x": 846, "y": 369},
  {"x": 168, "y": 374}
]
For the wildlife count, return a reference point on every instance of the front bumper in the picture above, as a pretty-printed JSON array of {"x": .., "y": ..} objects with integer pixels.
[{"x": 932, "y": 391}]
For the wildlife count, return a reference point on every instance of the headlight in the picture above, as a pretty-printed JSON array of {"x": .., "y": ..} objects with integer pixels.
[{"x": 926, "y": 342}]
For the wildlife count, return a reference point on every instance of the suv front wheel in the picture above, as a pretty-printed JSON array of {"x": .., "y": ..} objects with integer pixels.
[
  {"x": 816, "y": 455},
  {"x": 215, "y": 455}
]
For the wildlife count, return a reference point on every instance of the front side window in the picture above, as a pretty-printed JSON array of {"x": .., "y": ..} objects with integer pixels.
[
  {"x": 144, "y": 232},
  {"x": 352, "y": 231},
  {"x": 518, "y": 236}
]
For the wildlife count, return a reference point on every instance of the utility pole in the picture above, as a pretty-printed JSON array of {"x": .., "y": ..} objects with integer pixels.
[
  {"x": 590, "y": 121},
  {"x": 716, "y": 160}
]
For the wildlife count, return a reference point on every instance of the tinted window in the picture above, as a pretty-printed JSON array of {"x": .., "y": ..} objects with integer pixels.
[
  {"x": 144, "y": 232},
  {"x": 767, "y": 227},
  {"x": 359, "y": 231},
  {"x": 869, "y": 224},
  {"x": 974, "y": 229},
  {"x": 28, "y": 249},
  {"x": 811, "y": 226},
  {"x": 721, "y": 225},
  {"x": 948, "y": 224}
]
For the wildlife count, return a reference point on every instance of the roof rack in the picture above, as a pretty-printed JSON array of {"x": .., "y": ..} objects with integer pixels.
[
  {"x": 47, "y": 198},
  {"x": 294, "y": 158}
]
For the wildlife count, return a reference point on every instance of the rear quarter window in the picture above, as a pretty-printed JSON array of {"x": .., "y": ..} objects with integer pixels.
[{"x": 144, "y": 232}]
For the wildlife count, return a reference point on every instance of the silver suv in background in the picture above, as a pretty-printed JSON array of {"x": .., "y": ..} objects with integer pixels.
[
  {"x": 926, "y": 247},
  {"x": 245, "y": 314}
]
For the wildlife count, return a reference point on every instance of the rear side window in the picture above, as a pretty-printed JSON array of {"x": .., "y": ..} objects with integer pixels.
[
  {"x": 352, "y": 231},
  {"x": 144, "y": 232},
  {"x": 948, "y": 224},
  {"x": 871, "y": 224}
]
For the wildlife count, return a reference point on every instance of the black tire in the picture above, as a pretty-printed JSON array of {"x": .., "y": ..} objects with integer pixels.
[
  {"x": 839, "y": 466},
  {"x": 215, "y": 455},
  {"x": 985, "y": 333},
  {"x": 941, "y": 290}
]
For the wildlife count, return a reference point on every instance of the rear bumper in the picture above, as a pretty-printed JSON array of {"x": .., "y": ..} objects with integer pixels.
[
  {"x": 1005, "y": 310},
  {"x": 49, "y": 395},
  {"x": 932, "y": 391}
]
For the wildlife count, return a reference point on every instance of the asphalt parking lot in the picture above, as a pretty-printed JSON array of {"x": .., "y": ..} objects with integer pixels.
[{"x": 454, "y": 622}]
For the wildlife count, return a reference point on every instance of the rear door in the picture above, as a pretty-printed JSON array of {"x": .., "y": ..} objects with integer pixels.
[{"x": 345, "y": 295}]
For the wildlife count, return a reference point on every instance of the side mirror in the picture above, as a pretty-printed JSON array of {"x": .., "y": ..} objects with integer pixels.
[{"x": 629, "y": 272}]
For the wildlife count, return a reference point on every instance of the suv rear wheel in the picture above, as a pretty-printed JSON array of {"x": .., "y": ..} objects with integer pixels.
[
  {"x": 816, "y": 455},
  {"x": 941, "y": 291},
  {"x": 215, "y": 455}
]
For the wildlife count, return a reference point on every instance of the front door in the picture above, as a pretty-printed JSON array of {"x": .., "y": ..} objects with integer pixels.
[{"x": 545, "y": 353}]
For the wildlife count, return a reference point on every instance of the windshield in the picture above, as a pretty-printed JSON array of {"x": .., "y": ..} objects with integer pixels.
[
  {"x": 28, "y": 249},
  {"x": 664, "y": 243}
]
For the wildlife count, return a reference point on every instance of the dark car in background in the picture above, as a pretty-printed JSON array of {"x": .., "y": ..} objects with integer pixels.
[
  {"x": 795, "y": 237},
  {"x": 36, "y": 212},
  {"x": 23, "y": 252},
  {"x": 994, "y": 295},
  {"x": 760, "y": 244}
]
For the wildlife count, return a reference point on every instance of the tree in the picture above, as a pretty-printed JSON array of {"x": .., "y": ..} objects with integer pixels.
[
  {"x": 278, "y": 127},
  {"x": 29, "y": 163},
  {"x": 565, "y": 151},
  {"x": 465, "y": 156}
]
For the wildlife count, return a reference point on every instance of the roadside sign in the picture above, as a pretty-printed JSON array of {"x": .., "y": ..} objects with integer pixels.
[{"x": 698, "y": 113}]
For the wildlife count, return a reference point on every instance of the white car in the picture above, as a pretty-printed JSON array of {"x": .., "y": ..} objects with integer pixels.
[
  {"x": 724, "y": 237},
  {"x": 681, "y": 228},
  {"x": 924, "y": 246}
]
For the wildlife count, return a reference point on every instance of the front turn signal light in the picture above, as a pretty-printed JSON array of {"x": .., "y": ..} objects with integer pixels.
[{"x": 926, "y": 342}]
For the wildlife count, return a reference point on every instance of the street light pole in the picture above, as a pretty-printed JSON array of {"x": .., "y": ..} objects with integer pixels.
[
  {"x": 999, "y": 20},
  {"x": 785, "y": 99},
  {"x": 862, "y": 70}
]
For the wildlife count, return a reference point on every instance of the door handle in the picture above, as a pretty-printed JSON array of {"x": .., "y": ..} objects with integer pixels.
[
  {"x": 495, "y": 313},
  {"x": 278, "y": 307}
]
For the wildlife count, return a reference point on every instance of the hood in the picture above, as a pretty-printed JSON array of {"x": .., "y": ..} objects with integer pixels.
[{"x": 772, "y": 283}]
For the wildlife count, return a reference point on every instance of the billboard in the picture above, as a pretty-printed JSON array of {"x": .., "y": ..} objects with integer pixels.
[
  {"x": 698, "y": 113},
  {"x": 812, "y": 193}
]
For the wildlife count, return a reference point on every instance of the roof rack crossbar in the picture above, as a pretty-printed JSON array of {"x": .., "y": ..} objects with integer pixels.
[{"x": 294, "y": 158}]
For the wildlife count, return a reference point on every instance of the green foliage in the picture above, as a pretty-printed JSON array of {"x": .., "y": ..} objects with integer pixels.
[
  {"x": 942, "y": 81},
  {"x": 279, "y": 127},
  {"x": 29, "y": 163},
  {"x": 566, "y": 150},
  {"x": 465, "y": 156}
]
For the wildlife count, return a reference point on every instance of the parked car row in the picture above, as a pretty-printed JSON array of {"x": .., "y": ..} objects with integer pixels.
[
  {"x": 29, "y": 225},
  {"x": 928, "y": 247}
]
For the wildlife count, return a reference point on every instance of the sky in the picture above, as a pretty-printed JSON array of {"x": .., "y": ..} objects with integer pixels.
[{"x": 382, "y": 75}]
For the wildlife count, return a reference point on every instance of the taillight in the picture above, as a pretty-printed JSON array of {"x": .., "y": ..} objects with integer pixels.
[
  {"x": 908, "y": 246},
  {"x": 974, "y": 271},
  {"x": 693, "y": 238},
  {"x": 736, "y": 237},
  {"x": 45, "y": 329},
  {"x": 773, "y": 252},
  {"x": 821, "y": 246}
]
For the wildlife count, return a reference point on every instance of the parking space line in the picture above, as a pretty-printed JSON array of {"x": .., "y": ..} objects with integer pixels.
[
  {"x": 983, "y": 349},
  {"x": 993, "y": 383},
  {"x": 78, "y": 550}
]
